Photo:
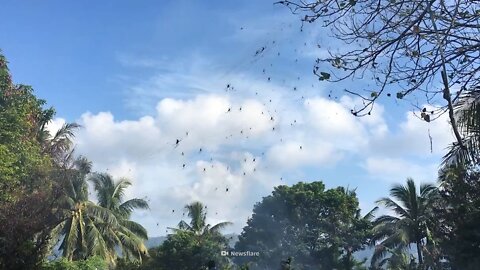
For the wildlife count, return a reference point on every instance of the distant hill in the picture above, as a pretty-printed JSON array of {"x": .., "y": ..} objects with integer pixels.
[{"x": 155, "y": 241}]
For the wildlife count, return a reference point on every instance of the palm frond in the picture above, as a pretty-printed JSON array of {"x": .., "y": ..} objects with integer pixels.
[
  {"x": 96, "y": 241},
  {"x": 371, "y": 214},
  {"x": 197, "y": 215},
  {"x": 83, "y": 165},
  {"x": 135, "y": 228},
  {"x": 132, "y": 247},
  {"x": 399, "y": 239},
  {"x": 219, "y": 226},
  {"x": 426, "y": 190},
  {"x": 467, "y": 114},
  {"x": 62, "y": 140},
  {"x": 382, "y": 231},
  {"x": 379, "y": 253},
  {"x": 404, "y": 194},
  {"x": 101, "y": 214},
  {"x": 119, "y": 189},
  {"x": 127, "y": 207},
  {"x": 179, "y": 230},
  {"x": 395, "y": 234},
  {"x": 105, "y": 187},
  {"x": 386, "y": 219},
  {"x": 69, "y": 243},
  {"x": 389, "y": 203},
  {"x": 182, "y": 225}
]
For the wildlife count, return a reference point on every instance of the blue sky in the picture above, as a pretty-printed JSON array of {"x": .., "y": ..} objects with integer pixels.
[{"x": 139, "y": 75}]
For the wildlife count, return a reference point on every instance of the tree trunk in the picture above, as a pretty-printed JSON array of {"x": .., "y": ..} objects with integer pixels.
[
  {"x": 348, "y": 261},
  {"x": 419, "y": 253}
]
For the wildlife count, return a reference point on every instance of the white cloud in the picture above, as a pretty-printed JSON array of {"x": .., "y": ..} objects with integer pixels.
[
  {"x": 412, "y": 138},
  {"x": 123, "y": 139},
  {"x": 293, "y": 154},
  {"x": 333, "y": 123},
  {"x": 145, "y": 151},
  {"x": 416, "y": 133},
  {"x": 281, "y": 131},
  {"x": 212, "y": 121},
  {"x": 397, "y": 170}
]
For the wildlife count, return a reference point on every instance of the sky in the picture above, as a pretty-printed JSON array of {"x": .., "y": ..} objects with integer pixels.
[{"x": 140, "y": 75}]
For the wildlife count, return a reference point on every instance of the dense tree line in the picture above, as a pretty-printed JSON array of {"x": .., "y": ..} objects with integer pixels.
[{"x": 44, "y": 198}]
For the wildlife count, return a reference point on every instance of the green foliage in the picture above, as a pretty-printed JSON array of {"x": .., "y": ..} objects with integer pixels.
[
  {"x": 198, "y": 225},
  {"x": 410, "y": 225},
  {"x": 91, "y": 263},
  {"x": 80, "y": 219},
  {"x": 26, "y": 194},
  {"x": 467, "y": 114},
  {"x": 124, "y": 264},
  {"x": 87, "y": 229},
  {"x": 44, "y": 190},
  {"x": 24, "y": 229},
  {"x": 318, "y": 228},
  {"x": 193, "y": 245},
  {"x": 184, "y": 250},
  {"x": 458, "y": 216},
  {"x": 22, "y": 161},
  {"x": 132, "y": 235}
]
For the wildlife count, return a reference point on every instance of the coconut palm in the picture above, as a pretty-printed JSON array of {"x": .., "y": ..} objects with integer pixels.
[
  {"x": 110, "y": 195},
  {"x": 81, "y": 223},
  {"x": 59, "y": 146},
  {"x": 198, "y": 225},
  {"x": 409, "y": 225},
  {"x": 398, "y": 259},
  {"x": 467, "y": 114}
]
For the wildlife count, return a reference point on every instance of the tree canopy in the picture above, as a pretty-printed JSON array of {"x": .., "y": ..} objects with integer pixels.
[
  {"x": 22, "y": 161},
  {"x": 410, "y": 224},
  {"x": 27, "y": 196},
  {"x": 193, "y": 245},
  {"x": 318, "y": 228},
  {"x": 458, "y": 215}
]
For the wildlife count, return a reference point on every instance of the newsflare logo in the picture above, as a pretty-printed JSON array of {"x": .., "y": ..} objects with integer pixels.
[{"x": 233, "y": 253}]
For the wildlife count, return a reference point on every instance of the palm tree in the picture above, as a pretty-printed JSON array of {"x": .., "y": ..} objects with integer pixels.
[
  {"x": 81, "y": 220},
  {"x": 197, "y": 225},
  {"x": 59, "y": 146},
  {"x": 467, "y": 114},
  {"x": 408, "y": 226},
  {"x": 399, "y": 259},
  {"x": 132, "y": 235}
]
